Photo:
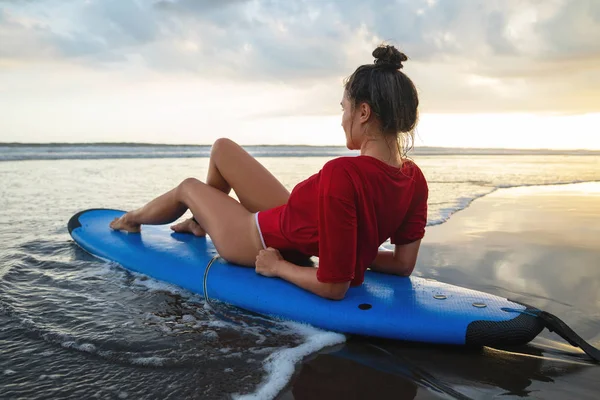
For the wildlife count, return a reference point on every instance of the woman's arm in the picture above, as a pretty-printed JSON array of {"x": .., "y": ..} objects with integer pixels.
[
  {"x": 401, "y": 261},
  {"x": 270, "y": 263},
  {"x": 306, "y": 278}
]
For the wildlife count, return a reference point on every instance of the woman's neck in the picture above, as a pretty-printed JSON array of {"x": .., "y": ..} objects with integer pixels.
[{"x": 382, "y": 149}]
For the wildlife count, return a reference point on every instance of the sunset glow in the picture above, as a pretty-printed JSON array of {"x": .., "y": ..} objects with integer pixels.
[{"x": 496, "y": 75}]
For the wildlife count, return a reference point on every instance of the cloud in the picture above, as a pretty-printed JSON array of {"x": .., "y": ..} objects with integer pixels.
[
  {"x": 469, "y": 55},
  {"x": 196, "y": 6}
]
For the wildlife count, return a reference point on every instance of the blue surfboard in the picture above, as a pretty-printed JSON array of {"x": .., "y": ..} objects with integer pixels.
[{"x": 387, "y": 306}]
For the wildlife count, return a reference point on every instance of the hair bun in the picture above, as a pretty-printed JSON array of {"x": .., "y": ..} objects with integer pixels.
[{"x": 389, "y": 56}]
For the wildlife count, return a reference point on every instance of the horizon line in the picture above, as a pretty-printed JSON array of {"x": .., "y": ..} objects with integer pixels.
[{"x": 150, "y": 144}]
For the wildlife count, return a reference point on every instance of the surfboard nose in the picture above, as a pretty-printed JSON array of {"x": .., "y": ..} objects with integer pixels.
[{"x": 75, "y": 223}]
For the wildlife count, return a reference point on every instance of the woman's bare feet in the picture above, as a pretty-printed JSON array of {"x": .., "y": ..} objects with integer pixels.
[
  {"x": 189, "y": 226},
  {"x": 123, "y": 224}
]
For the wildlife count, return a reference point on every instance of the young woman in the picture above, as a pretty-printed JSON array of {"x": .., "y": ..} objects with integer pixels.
[{"x": 341, "y": 214}]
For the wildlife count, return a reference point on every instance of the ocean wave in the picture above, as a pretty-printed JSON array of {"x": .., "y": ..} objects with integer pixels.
[
  {"x": 97, "y": 151},
  {"x": 461, "y": 203},
  {"x": 280, "y": 365}
]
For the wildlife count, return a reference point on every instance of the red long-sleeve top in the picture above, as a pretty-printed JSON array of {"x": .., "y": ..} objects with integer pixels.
[{"x": 346, "y": 211}]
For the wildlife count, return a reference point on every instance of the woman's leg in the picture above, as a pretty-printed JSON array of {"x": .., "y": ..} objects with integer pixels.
[
  {"x": 162, "y": 210},
  {"x": 231, "y": 167},
  {"x": 229, "y": 224}
]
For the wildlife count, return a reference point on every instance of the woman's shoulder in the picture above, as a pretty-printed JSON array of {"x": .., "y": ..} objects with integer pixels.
[
  {"x": 353, "y": 162},
  {"x": 357, "y": 165},
  {"x": 339, "y": 166},
  {"x": 339, "y": 161},
  {"x": 412, "y": 167}
]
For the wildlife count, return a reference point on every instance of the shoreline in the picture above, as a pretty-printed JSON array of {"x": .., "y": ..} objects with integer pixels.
[
  {"x": 465, "y": 202},
  {"x": 514, "y": 243}
]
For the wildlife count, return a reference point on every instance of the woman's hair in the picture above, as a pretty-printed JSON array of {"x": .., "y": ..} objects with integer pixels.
[{"x": 389, "y": 92}]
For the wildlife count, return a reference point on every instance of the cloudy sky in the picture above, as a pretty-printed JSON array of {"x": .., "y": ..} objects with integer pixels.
[{"x": 491, "y": 73}]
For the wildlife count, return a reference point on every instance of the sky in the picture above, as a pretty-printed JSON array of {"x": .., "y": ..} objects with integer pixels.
[{"x": 490, "y": 73}]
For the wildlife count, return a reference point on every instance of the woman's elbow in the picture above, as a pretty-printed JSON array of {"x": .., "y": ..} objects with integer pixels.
[
  {"x": 336, "y": 291},
  {"x": 406, "y": 269},
  {"x": 335, "y": 296}
]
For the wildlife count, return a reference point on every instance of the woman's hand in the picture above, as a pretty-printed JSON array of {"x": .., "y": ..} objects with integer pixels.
[{"x": 268, "y": 262}]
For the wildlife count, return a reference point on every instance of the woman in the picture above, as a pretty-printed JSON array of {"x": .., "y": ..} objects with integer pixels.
[{"x": 341, "y": 214}]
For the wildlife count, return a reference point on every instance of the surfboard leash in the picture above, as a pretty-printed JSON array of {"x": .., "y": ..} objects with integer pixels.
[
  {"x": 556, "y": 325},
  {"x": 205, "y": 280}
]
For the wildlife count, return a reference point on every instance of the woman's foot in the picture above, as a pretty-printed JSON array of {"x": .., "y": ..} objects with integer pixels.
[
  {"x": 123, "y": 224},
  {"x": 189, "y": 226}
]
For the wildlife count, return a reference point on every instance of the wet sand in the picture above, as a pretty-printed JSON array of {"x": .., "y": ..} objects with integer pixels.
[{"x": 538, "y": 245}]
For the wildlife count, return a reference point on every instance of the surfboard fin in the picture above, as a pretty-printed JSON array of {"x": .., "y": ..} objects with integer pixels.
[{"x": 556, "y": 325}]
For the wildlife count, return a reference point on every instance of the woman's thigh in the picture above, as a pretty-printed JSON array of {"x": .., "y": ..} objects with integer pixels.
[
  {"x": 229, "y": 224},
  {"x": 254, "y": 185}
]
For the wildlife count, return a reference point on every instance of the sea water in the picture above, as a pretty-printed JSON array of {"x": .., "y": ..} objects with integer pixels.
[{"x": 72, "y": 326}]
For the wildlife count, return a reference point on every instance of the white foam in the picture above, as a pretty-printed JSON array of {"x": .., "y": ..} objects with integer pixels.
[
  {"x": 85, "y": 347},
  {"x": 165, "y": 329},
  {"x": 146, "y": 361},
  {"x": 156, "y": 286},
  {"x": 261, "y": 350},
  {"x": 152, "y": 317},
  {"x": 508, "y": 186},
  {"x": 261, "y": 339},
  {"x": 211, "y": 335},
  {"x": 188, "y": 318},
  {"x": 463, "y": 202},
  {"x": 217, "y": 324},
  {"x": 280, "y": 366}
]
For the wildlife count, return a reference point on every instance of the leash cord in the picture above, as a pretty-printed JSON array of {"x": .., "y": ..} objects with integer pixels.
[{"x": 205, "y": 280}]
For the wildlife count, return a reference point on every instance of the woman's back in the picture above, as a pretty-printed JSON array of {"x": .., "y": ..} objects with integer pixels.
[{"x": 343, "y": 213}]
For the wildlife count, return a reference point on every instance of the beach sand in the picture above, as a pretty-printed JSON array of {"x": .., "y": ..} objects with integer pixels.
[{"x": 539, "y": 245}]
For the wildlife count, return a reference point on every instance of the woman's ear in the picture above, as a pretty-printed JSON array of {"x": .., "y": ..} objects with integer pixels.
[{"x": 365, "y": 112}]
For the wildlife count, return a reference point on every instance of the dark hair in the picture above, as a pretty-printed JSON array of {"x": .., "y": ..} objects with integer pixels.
[{"x": 389, "y": 92}]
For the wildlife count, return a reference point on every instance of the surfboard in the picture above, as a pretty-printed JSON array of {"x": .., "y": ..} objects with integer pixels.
[{"x": 386, "y": 306}]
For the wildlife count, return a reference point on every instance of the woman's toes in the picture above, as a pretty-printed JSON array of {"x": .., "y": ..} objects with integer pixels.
[
  {"x": 188, "y": 226},
  {"x": 119, "y": 224},
  {"x": 180, "y": 227},
  {"x": 197, "y": 230},
  {"x": 116, "y": 224}
]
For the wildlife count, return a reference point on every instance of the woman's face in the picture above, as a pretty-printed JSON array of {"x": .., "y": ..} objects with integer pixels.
[
  {"x": 354, "y": 122},
  {"x": 351, "y": 141}
]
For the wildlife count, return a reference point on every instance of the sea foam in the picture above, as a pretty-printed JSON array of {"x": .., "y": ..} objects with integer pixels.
[{"x": 280, "y": 365}]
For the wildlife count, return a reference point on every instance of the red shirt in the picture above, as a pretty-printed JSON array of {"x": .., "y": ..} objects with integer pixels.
[{"x": 346, "y": 211}]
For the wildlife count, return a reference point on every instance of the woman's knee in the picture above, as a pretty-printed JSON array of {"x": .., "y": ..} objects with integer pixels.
[
  {"x": 222, "y": 145},
  {"x": 186, "y": 186}
]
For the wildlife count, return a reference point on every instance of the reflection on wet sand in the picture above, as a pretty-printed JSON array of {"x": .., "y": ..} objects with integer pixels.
[
  {"x": 405, "y": 371},
  {"x": 338, "y": 375},
  {"x": 537, "y": 245}
]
